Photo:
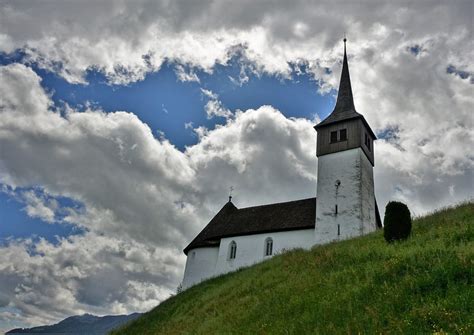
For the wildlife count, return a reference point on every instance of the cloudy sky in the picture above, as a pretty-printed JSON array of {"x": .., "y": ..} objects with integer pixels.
[{"x": 123, "y": 125}]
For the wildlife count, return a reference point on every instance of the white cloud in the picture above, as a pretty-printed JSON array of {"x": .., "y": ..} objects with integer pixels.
[
  {"x": 188, "y": 125},
  {"x": 262, "y": 154},
  {"x": 130, "y": 183},
  {"x": 214, "y": 106},
  {"x": 185, "y": 75},
  {"x": 143, "y": 199},
  {"x": 89, "y": 273},
  {"x": 128, "y": 40},
  {"x": 39, "y": 207}
]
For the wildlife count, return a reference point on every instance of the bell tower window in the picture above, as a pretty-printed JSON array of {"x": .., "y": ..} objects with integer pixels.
[
  {"x": 338, "y": 136},
  {"x": 367, "y": 141},
  {"x": 343, "y": 135}
]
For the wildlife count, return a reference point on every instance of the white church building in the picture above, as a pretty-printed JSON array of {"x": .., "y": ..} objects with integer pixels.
[{"x": 345, "y": 205}]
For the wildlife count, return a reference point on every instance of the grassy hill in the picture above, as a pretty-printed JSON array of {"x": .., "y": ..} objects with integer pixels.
[{"x": 423, "y": 285}]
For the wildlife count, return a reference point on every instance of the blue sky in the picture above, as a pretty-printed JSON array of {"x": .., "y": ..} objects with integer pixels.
[
  {"x": 166, "y": 105},
  {"x": 87, "y": 196}
]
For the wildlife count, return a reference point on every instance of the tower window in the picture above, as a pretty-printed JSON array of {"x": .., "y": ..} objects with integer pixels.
[
  {"x": 333, "y": 136},
  {"x": 232, "y": 250},
  {"x": 343, "y": 135},
  {"x": 268, "y": 246},
  {"x": 367, "y": 141}
]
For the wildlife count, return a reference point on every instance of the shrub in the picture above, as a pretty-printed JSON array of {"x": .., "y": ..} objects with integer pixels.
[{"x": 397, "y": 222}]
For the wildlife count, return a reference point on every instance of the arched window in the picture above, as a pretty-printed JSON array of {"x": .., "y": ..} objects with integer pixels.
[
  {"x": 268, "y": 246},
  {"x": 232, "y": 250}
]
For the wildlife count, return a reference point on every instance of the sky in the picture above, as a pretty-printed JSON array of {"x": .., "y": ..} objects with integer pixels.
[{"x": 124, "y": 124}]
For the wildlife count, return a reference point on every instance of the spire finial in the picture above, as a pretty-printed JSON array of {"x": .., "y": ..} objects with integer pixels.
[
  {"x": 345, "y": 40},
  {"x": 230, "y": 193}
]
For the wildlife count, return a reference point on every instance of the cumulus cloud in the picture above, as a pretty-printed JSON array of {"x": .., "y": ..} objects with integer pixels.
[
  {"x": 82, "y": 156},
  {"x": 258, "y": 153},
  {"x": 74, "y": 156},
  {"x": 143, "y": 199},
  {"x": 127, "y": 40},
  {"x": 88, "y": 273}
]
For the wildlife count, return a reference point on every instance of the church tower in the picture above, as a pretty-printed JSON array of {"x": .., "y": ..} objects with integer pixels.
[{"x": 345, "y": 192}]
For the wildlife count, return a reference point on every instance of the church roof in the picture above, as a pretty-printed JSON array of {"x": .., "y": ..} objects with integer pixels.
[
  {"x": 232, "y": 221},
  {"x": 344, "y": 109}
]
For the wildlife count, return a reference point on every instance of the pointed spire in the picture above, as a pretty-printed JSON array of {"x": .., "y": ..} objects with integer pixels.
[{"x": 345, "y": 100}]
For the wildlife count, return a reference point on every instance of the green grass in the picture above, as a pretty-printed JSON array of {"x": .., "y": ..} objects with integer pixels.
[{"x": 422, "y": 285}]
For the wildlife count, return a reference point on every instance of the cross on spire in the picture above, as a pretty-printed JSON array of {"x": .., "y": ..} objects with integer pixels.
[{"x": 230, "y": 193}]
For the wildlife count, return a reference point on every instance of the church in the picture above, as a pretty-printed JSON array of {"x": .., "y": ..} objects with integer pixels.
[{"x": 345, "y": 205}]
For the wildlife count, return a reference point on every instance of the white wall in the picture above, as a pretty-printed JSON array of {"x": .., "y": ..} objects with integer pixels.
[
  {"x": 369, "y": 222},
  {"x": 204, "y": 263},
  {"x": 251, "y": 248},
  {"x": 200, "y": 265},
  {"x": 355, "y": 196}
]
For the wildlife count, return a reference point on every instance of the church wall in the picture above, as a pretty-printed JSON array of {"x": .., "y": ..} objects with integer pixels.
[
  {"x": 251, "y": 248},
  {"x": 200, "y": 265},
  {"x": 346, "y": 167},
  {"x": 368, "y": 197}
]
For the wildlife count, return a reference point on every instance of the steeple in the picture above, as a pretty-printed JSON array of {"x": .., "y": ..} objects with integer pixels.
[
  {"x": 344, "y": 108},
  {"x": 345, "y": 101},
  {"x": 344, "y": 128}
]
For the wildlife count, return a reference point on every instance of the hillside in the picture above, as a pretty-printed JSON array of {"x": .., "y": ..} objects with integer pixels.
[{"x": 423, "y": 285}]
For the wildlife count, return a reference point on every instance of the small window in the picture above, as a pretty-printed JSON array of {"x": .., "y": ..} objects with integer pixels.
[
  {"x": 268, "y": 246},
  {"x": 333, "y": 136},
  {"x": 367, "y": 141},
  {"x": 343, "y": 135},
  {"x": 193, "y": 255},
  {"x": 232, "y": 250}
]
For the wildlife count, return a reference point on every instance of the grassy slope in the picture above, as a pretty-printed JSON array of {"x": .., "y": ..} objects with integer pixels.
[{"x": 363, "y": 285}]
